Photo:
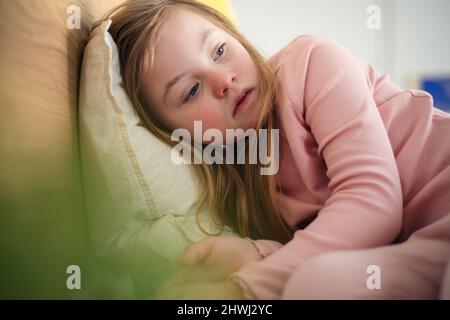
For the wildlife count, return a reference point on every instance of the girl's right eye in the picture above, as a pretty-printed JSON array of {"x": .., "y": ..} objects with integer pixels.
[{"x": 192, "y": 92}]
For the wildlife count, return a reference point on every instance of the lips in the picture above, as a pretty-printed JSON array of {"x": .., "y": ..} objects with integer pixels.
[{"x": 241, "y": 99}]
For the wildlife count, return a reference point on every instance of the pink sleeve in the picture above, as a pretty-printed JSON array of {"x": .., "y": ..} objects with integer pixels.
[
  {"x": 265, "y": 247},
  {"x": 365, "y": 206}
]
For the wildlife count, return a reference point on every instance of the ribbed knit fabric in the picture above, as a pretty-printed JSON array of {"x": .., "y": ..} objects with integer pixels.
[{"x": 366, "y": 161}]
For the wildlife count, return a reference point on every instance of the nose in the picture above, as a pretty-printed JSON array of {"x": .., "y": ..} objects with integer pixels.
[{"x": 221, "y": 82}]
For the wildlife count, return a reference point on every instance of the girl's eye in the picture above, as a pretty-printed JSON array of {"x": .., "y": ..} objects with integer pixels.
[
  {"x": 219, "y": 52},
  {"x": 192, "y": 92}
]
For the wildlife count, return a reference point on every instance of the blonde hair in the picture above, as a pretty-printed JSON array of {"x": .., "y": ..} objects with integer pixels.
[{"x": 238, "y": 195}]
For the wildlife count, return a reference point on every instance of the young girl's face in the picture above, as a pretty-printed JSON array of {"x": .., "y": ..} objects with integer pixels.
[{"x": 200, "y": 72}]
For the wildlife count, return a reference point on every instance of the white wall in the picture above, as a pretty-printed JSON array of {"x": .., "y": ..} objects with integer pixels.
[
  {"x": 421, "y": 38},
  {"x": 414, "y": 35}
]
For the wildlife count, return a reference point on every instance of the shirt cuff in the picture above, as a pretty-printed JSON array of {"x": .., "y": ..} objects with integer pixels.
[
  {"x": 265, "y": 247},
  {"x": 246, "y": 292}
]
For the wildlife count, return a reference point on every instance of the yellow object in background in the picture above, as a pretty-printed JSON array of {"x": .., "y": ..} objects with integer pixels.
[{"x": 224, "y": 6}]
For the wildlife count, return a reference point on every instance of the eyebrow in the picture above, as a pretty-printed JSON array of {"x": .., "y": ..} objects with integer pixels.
[{"x": 172, "y": 82}]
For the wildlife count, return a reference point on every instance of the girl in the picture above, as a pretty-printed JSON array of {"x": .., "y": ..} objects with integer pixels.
[{"x": 363, "y": 164}]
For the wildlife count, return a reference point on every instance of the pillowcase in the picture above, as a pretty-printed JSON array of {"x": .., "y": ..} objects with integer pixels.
[{"x": 140, "y": 205}]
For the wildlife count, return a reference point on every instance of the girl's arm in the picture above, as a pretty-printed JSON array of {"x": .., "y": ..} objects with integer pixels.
[{"x": 365, "y": 206}]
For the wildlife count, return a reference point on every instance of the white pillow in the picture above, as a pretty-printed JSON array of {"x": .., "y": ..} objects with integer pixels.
[{"x": 136, "y": 198}]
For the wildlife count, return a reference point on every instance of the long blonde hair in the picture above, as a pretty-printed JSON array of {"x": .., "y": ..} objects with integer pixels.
[{"x": 237, "y": 195}]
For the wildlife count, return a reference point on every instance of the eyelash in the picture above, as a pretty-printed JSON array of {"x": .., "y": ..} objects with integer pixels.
[
  {"x": 189, "y": 96},
  {"x": 222, "y": 46}
]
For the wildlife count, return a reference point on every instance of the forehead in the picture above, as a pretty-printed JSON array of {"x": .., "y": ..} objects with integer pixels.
[
  {"x": 189, "y": 20},
  {"x": 177, "y": 48},
  {"x": 180, "y": 40}
]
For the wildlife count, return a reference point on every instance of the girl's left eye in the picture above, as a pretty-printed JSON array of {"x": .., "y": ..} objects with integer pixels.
[
  {"x": 192, "y": 92},
  {"x": 219, "y": 52}
]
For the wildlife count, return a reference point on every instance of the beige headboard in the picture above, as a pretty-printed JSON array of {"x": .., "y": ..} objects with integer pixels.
[{"x": 41, "y": 223}]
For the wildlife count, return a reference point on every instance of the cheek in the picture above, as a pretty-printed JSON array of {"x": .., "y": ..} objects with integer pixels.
[
  {"x": 211, "y": 118},
  {"x": 252, "y": 68},
  {"x": 245, "y": 63},
  {"x": 203, "y": 111}
]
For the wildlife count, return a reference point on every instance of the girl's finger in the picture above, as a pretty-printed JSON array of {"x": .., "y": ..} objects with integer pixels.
[
  {"x": 170, "y": 288},
  {"x": 196, "y": 252},
  {"x": 195, "y": 274}
]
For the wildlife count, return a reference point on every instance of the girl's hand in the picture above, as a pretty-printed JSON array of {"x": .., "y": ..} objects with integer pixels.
[
  {"x": 214, "y": 258},
  {"x": 177, "y": 288}
]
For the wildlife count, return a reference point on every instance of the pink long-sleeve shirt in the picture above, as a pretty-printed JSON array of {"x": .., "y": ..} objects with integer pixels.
[{"x": 367, "y": 162}]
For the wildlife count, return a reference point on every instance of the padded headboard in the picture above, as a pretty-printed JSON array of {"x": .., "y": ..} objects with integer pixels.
[
  {"x": 39, "y": 67},
  {"x": 42, "y": 223},
  {"x": 40, "y": 191}
]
